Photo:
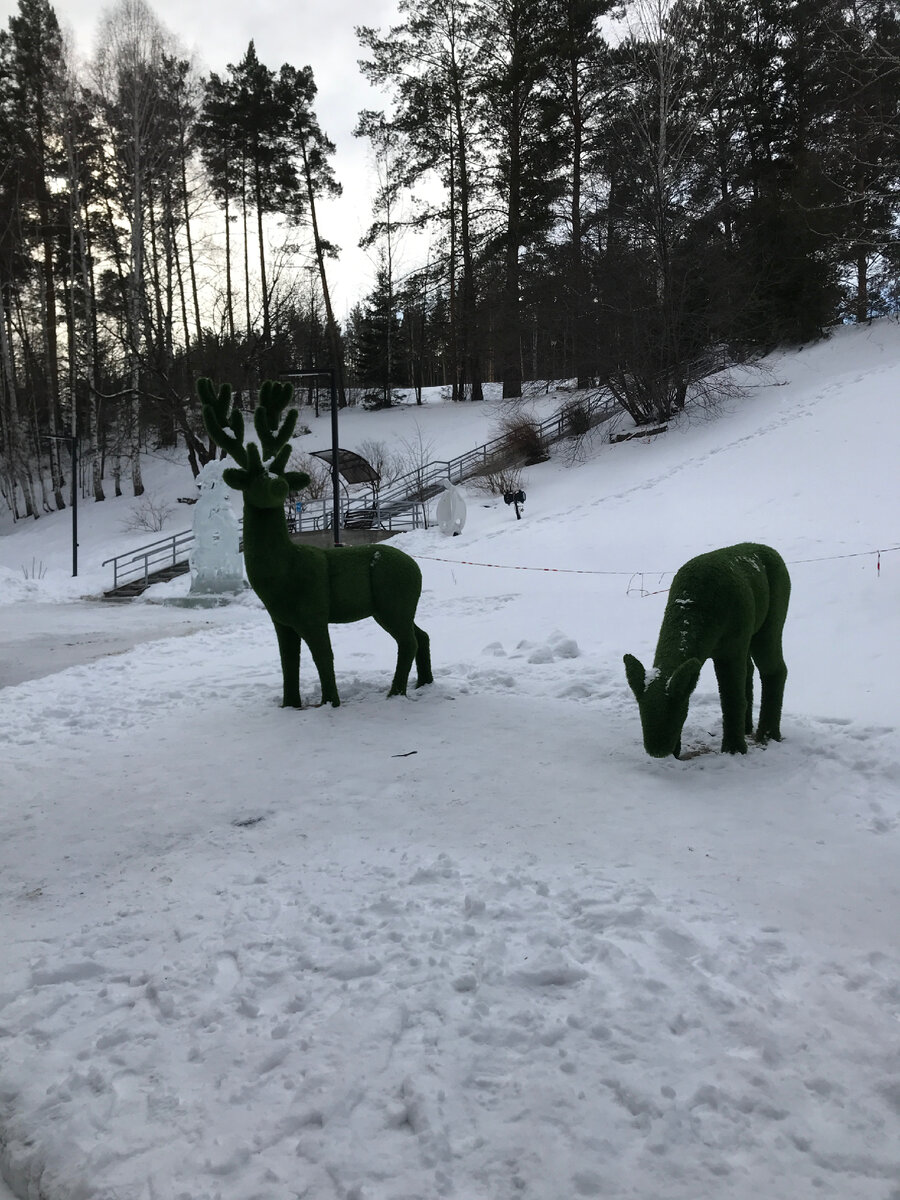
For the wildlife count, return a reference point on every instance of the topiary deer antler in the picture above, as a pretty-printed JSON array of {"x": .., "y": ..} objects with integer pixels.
[
  {"x": 302, "y": 587},
  {"x": 220, "y": 416}
]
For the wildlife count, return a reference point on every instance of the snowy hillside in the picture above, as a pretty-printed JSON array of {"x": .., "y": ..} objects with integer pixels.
[{"x": 474, "y": 943}]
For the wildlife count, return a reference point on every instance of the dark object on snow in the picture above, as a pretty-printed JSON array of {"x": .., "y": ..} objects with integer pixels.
[
  {"x": 307, "y": 588},
  {"x": 515, "y": 498},
  {"x": 728, "y": 605}
]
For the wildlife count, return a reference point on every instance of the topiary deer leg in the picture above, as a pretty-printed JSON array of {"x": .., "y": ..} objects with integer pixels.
[
  {"x": 773, "y": 675},
  {"x": 730, "y": 673},
  {"x": 407, "y": 648},
  {"x": 770, "y": 705},
  {"x": 423, "y": 658},
  {"x": 289, "y": 650},
  {"x": 748, "y": 719},
  {"x": 319, "y": 643}
]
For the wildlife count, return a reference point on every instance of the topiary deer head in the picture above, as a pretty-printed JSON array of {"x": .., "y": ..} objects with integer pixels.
[{"x": 264, "y": 484}]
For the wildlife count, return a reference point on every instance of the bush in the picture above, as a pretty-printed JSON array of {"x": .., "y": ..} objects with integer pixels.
[
  {"x": 521, "y": 437},
  {"x": 319, "y": 475},
  {"x": 498, "y": 483},
  {"x": 576, "y": 418},
  {"x": 149, "y": 514},
  {"x": 385, "y": 461}
]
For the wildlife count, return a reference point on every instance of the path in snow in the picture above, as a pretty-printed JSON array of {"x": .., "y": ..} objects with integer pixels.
[{"x": 43, "y": 639}]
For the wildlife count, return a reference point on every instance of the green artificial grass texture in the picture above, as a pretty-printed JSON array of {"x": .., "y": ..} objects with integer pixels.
[
  {"x": 307, "y": 588},
  {"x": 728, "y": 605}
]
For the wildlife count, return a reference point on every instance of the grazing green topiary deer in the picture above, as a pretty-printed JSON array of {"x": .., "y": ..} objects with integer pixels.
[
  {"x": 306, "y": 588},
  {"x": 728, "y": 605}
]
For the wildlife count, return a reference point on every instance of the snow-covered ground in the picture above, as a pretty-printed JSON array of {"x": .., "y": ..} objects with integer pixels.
[{"x": 474, "y": 943}]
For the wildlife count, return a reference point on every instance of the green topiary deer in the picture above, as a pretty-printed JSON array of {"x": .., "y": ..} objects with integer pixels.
[
  {"x": 306, "y": 588},
  {"x": 728, "y": 605}
]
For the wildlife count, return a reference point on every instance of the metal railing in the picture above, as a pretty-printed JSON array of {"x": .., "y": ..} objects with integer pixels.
[
  {"x": 408, "y": 494},
  {"x": 141, "y": 563},
  {"x": 396, "y": 509}
]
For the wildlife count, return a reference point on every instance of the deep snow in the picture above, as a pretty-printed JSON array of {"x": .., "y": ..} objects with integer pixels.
[{"x": 473, "y": 943}]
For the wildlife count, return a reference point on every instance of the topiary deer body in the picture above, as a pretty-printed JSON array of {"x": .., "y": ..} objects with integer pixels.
[
  {"x": 728, "y": 605},
  {"x": 307, "y": 588}
]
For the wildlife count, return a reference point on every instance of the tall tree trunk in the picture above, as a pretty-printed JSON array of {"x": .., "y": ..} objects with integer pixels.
[
  {"x": 331, "y": 329},
  {"x": 137, "y": 278},
  {"x": 192, "y": 269},
  {"x": 511, "y": 333},
  {"x": 453, "y": 297},
  {"x": 258, "y": 201},
  {"x": 48, "y": 307},
  {"x": 249, "y": 327},
  {"x": 229, "y": 289},
  {"x": 18, "y": 467},
  {"x": 471, "y": 353}
]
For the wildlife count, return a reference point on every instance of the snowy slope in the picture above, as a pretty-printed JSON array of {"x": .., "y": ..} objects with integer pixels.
[{"x": 475, "y": 943}]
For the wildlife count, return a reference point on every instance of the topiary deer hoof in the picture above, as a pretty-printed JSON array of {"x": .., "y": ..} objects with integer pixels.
[{"x": 762, "y": 737}]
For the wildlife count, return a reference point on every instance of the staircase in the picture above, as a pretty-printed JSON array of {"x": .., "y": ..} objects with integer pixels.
[{"x": 400, "y": 507}]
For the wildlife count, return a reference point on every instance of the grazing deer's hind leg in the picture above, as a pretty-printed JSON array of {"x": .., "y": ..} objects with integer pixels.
[
  {"x": 423, "y": 658},
  {"x": 289, "y": 650},
  {"x": 773, "y": 675},
  {"x": 733, "y": 694}
]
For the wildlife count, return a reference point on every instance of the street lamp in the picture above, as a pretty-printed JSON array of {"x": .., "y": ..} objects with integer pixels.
[
  {"x": 72, "y": 439},
  {"x": 335, "y": 445}
]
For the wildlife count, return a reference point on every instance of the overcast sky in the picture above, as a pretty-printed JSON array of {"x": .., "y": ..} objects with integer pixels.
[{"x": 217, "y": 32}]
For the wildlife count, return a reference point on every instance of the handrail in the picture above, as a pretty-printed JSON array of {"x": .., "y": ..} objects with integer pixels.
[{"x": 404, "y": 496}]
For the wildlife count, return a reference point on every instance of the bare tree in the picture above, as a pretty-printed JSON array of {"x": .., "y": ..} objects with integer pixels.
[{"x": 131, "y": 48}]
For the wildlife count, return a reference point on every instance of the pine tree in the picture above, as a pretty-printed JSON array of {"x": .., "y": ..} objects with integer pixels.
[
  {"x": 430, "y": 62},
  {"x": 516, "y": 62},
  {"x": 33, "y": 69},
  {"x": 311, "y": 150}
]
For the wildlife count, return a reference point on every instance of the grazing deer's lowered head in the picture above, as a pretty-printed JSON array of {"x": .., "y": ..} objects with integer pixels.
[
  {"x": 730, "y": 606},
  {"x": 306, "y": 588}
]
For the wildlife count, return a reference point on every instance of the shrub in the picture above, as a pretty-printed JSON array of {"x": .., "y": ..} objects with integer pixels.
[
  {"x": 521, "y": 437},
  {"x": 499, "y": 482},
  {"x": 149, "y": 514},
  {"x": 385, "y": 461},
  {"x": 576, "y": 417},
  {"x": 319, "y": 474}
]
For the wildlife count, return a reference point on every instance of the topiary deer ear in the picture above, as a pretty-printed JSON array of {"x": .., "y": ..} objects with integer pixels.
[
  {"x": 636, "y": 675},
  {"x": 296, "y": 480},
  {"x": 683, "y": 680}
]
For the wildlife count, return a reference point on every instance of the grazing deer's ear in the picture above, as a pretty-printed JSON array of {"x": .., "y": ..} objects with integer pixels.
[
  {"x": 296, "y": 480},
  {"x": 636, "y": 675},
  {"x": 683, "y": 680}
]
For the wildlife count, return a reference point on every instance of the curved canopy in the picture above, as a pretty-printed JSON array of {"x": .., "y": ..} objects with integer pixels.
[{"x": 352, "y": 466}]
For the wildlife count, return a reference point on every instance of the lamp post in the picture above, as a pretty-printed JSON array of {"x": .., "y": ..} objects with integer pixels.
[
  {"x": 72, "y": 439},
  {"x": 335, "y": 445}
]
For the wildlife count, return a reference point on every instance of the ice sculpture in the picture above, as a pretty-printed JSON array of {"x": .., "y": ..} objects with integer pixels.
[
  {"x": 451, "y": 510},
  {"x": 217, "y": 565}
]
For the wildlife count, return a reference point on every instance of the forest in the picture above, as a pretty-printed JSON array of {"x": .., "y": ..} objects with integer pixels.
[{"x": 625, "y": 196}]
